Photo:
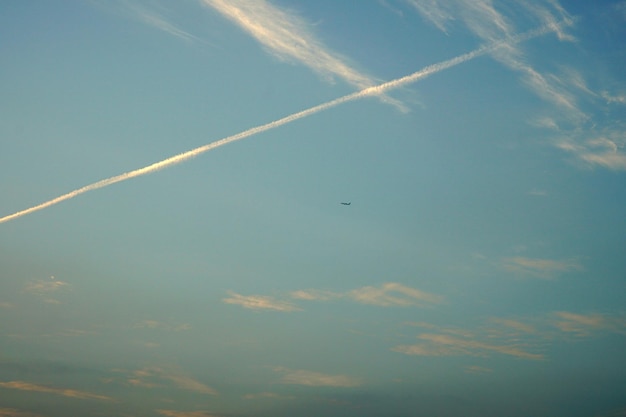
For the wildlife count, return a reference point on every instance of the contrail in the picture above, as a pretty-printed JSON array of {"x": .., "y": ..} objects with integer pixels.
[{"x": 370, "y": 91}]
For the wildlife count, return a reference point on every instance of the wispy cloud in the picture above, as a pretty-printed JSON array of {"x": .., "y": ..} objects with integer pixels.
[
  {"x": 488, "y": 23},
  {"x": 315, "y": 295},
  {"x": 475, "y": 369},
  {"x": 12, "y": 412},
  {"x": 612, "y": 98},
  {"x": 585, "y": 325},
  {"x": 174, "y": 413},
  {"x": 151, "y": 377},
  {"x": 260, "y": 302},
  {"x": 65, "y": 392},
  {"x": 46, "y": 287},
  {"x": 577, "y": 110},
  {"x": 445, "y": 345},
  {"x": 390, "y": 294},
  {"x": 155, "y": 324},
  {"x": 606, "y": 149},
  {"x": 538, "y": 193},
  {"x": 266, "y": 395},
  {"x": 515, "y": 325},
  {"x": 4, "y": 304},
  {"x": 367, "y": 92},
  {"x": 437, "y": 12},
  {"x": 541, "y": 268},
  {"x": 394, "y": 294},
  {"x": 288, "y": 36},
  {"x": 316, "y": 379},
  {"x": 154, "y": 16}
]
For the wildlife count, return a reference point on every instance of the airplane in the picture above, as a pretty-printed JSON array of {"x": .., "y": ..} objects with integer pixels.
[{"x": 347, "y": 204}]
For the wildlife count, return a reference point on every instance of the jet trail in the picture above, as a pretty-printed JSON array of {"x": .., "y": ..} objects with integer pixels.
[{"x": 370, "y": 91}]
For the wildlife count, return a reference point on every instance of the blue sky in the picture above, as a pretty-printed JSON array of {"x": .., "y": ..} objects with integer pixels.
[{"x": 172, "y": 241}]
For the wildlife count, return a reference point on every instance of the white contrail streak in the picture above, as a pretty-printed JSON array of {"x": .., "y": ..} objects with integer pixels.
[{"x": 370, "y": 91}]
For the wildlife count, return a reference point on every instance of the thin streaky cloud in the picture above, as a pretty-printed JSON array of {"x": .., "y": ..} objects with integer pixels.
[
  {"x": 151, "y": 377},
  {"x": 12, "y": 412},
  {"x": 260, "y": 302},
  {"x": 315, "y": 295},
  {"x": 475, "y": 369},
  {"x": 437, "y": 12},
  {"x": 585, "y": 324},
  {"x": 393, "y": 294},
  {"x": 367, "y": 92},
  {"x": 175, "y": 413},
  {"x": 444, "y": 345},
  {"x": 71, "y": 393},
  {"x": 483, "y": 19},
  {"x": 155, "y": 324},
  {"x": 567, "y": 91},
  {"x": 158, "y": 21},
  {"x": 46, "y": 286},
  {"x": 604, "y": 149},
  {"x": 613, "y": 98},
  {"x": 267, "y": 395},
  {"x": 316, "y": 379},
  {"x": 540, "y": 268},
  {"x": 515, "y": 325},
  {"x": 387, "y": 295},
  {"x": 288, "y": 37}
]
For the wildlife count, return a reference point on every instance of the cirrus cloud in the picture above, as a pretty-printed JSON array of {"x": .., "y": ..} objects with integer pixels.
[
  {"x": 260, "y": 302},
  {"x": 316, "y": 379}
]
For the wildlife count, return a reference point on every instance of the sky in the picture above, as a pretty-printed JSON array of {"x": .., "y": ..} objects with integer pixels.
[{"x": 172, "y": 238}]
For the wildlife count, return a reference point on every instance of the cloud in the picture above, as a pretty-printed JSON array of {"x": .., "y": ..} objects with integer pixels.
[
  {"x": 26, "y": 386},
  {"x": 613, "y": 98},
  {"x": 515, "y": 325},
  {"x": 266, "y": 395},
  {"x": 155, "y": 324},
  {"x": 584, "y": 325},
  {"x": 439, "y": 13},
  {"x": 541, "y": 268},
  {"x": 474, "y": 369},
  {"x": 376, "y": 90},
  {"x": 605, "y": 150},
  {"x": 12, "y": 412},
  {"x": 315, "y": 295},
  {"x": 4, "y": 304},
  {"x": 567, "y": 90},
  {"x": 173, "y": 413},
  {"x": 488, "y": 23},
  {"x": 288, "y": 37},
  {"x": 46, "y": 286},
  {"x": 189, "y": 384},
  {"x": 153, "y": 377},
  {"x": 390, "y": 294},
  {"x": 155, "y": 19},
  {"x": 316, "y": 379},
  {"x": 393, "y": 294},
  {"x": 446, "y": 345},
  {"x": 260, "y": 302}
]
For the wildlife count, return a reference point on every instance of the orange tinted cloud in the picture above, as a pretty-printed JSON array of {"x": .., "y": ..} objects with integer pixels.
[{"x": 27, "y": 386}]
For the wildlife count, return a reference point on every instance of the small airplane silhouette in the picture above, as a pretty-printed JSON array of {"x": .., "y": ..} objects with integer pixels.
[{"x": 347, "y": 204}]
